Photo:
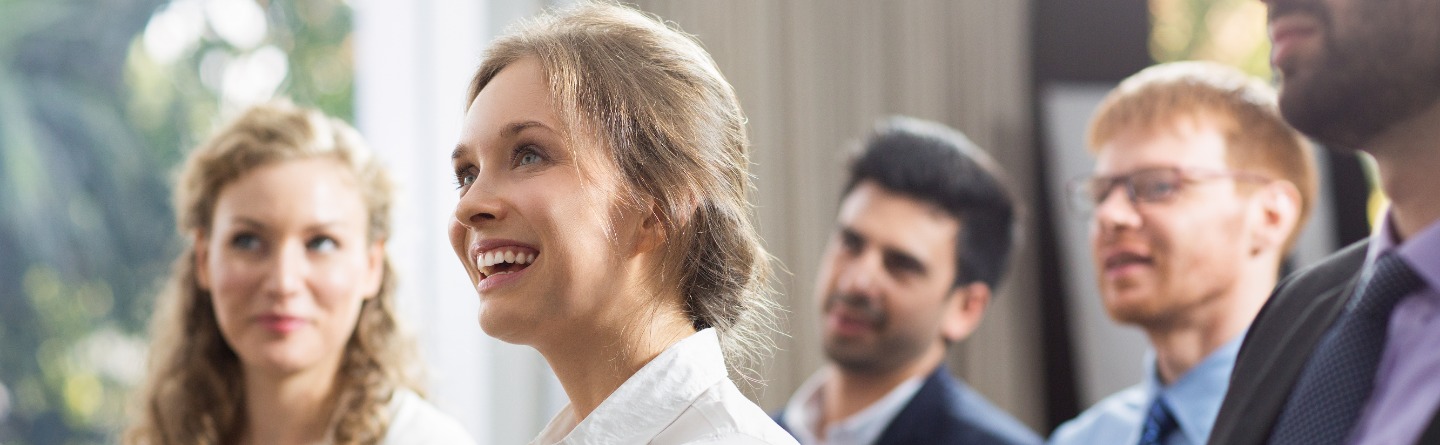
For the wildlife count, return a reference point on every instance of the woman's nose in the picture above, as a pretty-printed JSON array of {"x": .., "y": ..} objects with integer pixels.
[
  {"x": 479, "y": 205},
  {"x": 288, "y": 269}
]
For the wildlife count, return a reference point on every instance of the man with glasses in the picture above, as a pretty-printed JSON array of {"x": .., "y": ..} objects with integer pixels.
[
  {"x": 1348, "y": 351},
  {"x": 1199, "y": 190}
]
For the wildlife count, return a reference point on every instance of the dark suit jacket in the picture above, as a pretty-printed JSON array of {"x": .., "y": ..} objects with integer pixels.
[
  {"x": 946, "y": 411},
  {"x": 1279, "y": 343}
]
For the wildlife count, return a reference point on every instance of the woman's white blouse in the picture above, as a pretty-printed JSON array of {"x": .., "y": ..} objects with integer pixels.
[
  {"x": 683, "y": 396},
  {"x": 413, "y": 421}
]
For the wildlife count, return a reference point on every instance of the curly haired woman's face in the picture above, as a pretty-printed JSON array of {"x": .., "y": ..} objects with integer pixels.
[
  {"x": 288, "y": 264},
  {"x": 538, "y": 227}
]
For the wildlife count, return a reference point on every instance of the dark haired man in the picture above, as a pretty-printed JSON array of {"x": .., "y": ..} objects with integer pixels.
[
  {"x": 925, "y": 228},
  {"x": 1347, "y": 351}
]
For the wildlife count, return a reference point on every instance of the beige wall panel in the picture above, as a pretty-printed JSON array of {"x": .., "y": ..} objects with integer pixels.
[{"x": 813, "y": 76}]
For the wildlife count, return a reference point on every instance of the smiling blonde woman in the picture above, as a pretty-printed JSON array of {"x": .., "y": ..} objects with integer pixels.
[{"x": 278, "y": 324}]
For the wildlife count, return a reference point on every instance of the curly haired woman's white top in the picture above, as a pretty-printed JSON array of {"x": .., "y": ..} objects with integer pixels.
[
  {"x": 413, "y": 421},
  {"x": 683, "y": 396}
]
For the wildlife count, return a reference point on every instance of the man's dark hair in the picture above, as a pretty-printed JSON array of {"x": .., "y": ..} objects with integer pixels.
[{"x": 936, "y": 164}]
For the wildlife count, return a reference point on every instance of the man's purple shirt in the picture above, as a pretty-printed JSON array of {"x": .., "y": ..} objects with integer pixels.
[{"x": 1407, "y": 382}]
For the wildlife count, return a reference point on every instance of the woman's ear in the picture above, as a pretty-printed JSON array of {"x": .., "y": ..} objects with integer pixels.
[
  {"x": 201, "y": 247},
  {"x": 375, "y": 257},
  {"x": 652, "y": 232}
]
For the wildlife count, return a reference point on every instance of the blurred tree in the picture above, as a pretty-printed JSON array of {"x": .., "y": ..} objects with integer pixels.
[
  {"x": 1226, "y": 31},
  {"x": 98, "y": 102}
]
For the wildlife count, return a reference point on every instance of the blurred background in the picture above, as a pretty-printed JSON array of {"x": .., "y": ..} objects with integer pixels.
[{"x": 99, "y": 100}]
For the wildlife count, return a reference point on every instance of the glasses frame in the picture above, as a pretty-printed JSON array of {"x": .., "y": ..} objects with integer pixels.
[{"x": 1081, "y": 199}]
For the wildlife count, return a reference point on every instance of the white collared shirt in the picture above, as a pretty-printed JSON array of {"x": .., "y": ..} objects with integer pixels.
[
  {"x": 804, "y": 412},
  {"x": 682, "y": 396},
  {"x": 413, "y": 421}
]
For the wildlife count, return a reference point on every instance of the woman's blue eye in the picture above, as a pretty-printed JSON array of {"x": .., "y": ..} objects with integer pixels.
[
  {"x": 529, "y": 157},
  {"x": 245, "y": 241},
  {"x": 464, "y": 178},
  {"x": 322, "y": 243}
]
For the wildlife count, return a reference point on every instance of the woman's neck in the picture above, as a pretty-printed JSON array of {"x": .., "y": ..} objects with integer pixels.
[
  {"x": 285, "y": 409},
  {"x": 592, "y": 361}
]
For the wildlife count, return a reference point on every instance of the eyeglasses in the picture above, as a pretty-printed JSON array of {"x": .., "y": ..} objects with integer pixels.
[{"x": 1151, "y": 185}]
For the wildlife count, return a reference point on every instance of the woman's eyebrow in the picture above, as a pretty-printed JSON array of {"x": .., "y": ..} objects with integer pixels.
[
  {"x": 510, "y": 131},
  {"x": 515, "y": 128}
]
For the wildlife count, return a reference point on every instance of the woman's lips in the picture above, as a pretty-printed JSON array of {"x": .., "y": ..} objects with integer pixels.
[
  {"x": 498, "y": 262},
  {"x": 279, "y": 323},
  {"x": 502, "y": 260}
]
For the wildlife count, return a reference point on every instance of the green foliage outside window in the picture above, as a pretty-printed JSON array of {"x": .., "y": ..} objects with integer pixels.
[
  {"x": 99, "y": 100},
  {"x": 1231, "y": 32}
]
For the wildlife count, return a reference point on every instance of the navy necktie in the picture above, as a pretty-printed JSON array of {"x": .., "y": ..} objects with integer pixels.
[
  {"x": 1158, "y": 424},
  {"x": 1340, "y": 374}
]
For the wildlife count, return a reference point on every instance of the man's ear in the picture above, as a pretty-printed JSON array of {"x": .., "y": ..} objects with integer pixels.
[
  {"x": 1278, "y": 207},
  {"x": 375, "y": 262},
  {"x": 963, "y": 311},
  {"x": 201, "y": 248}
]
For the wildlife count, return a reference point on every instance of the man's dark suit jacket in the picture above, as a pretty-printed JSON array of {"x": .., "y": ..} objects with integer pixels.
[
  {"x": 946, "y": 411},
  {"x": 1279, "y": 343}
]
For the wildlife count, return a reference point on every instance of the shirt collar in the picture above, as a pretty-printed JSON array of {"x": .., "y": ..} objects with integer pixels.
[
  {"x": 1195, "y": 399},
  {"x": 804, "y": 410},
  {"x": 651, "y": 399},
  {"x": 1421, "y": 252}
]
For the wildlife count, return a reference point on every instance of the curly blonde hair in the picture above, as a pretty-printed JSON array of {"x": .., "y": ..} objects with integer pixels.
[
  {"x": 673, "y": 126},
  {"x": 194, "y": 391}
]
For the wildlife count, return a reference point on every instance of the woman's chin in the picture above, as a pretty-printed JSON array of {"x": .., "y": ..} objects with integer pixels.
[
  {"x": 280, "y": 360},
  {"x": 506, "y": 326}
]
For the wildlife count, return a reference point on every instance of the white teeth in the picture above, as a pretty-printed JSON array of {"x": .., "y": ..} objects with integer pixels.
[{"x": 491, "y": 258}]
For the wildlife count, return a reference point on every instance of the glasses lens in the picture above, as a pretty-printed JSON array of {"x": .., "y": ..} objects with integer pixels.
[
  {"x": 1086, "y": 193},
  {"x": 1155, "y": 185}
]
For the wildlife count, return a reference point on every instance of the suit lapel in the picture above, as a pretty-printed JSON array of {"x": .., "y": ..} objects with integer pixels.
[
  {"x": 1289, "y": 359},
  {"x": 1280, "y": 343},
  {"x": 921, "y": 415},
  {"x": 1432, "y": 432}
]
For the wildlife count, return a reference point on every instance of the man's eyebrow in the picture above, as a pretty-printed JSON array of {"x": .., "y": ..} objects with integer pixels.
[{"x": 910, "y": 261}]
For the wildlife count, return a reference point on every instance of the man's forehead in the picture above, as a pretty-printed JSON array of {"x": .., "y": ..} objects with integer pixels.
[
  {"x": 1187, "y": 146},
  {"x": 897, "y": 221}
]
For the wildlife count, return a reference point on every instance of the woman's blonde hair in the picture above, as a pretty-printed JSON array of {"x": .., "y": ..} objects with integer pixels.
[
  {"x": 671, "y": 124},
  {"x": 194, "y": 391}
]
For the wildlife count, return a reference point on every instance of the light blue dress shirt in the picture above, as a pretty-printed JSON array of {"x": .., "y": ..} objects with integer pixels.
[{"x": 1194, "y": 400}]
